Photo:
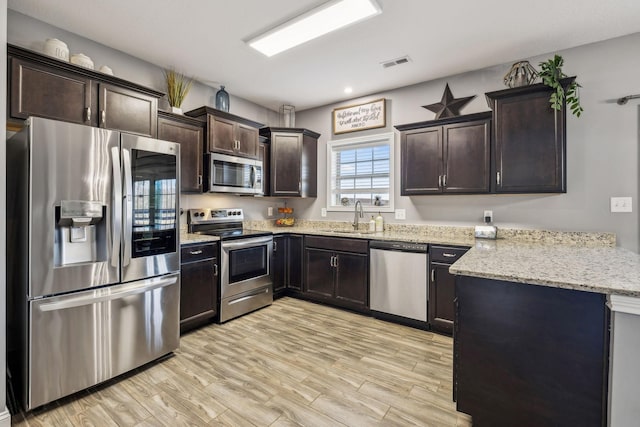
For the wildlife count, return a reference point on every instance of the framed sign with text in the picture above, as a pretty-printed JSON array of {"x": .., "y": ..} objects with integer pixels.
[{"x": 353, "y": 118}]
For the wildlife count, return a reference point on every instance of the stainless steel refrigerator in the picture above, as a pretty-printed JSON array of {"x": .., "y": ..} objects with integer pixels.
[{"x": 93, "y": 255}]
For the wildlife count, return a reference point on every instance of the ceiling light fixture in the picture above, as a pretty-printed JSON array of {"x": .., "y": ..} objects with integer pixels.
[
  {"x": 348, "y": 89},
  {"x": 319, "y": 21}
]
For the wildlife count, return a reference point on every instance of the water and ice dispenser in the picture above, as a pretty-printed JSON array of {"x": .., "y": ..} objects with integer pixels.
[{"x": 80, "y": 232}]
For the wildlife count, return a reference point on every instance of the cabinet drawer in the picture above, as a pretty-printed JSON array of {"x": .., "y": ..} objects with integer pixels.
[
  {"x": 446, "y": 253},
  {"x": 198, "y": 252},
  {"x": 337, "y": 244}
]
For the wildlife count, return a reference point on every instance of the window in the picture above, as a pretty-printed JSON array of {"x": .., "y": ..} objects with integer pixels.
[{"x": 361, "y": 169}]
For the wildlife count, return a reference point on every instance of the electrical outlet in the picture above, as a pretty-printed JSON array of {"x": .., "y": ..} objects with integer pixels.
[
  {"x": 401, "y": 214},
  {"x": 270, "y": 211},
  {"x": 621, "y": 204},
  {"x": 488, "y": 214},
  {"x": 323, "y": 212}
]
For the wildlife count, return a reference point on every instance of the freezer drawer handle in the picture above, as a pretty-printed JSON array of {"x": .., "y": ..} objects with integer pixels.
[
  {"x": 196, "y": 252},
  {"x": 138, "y": 288}
]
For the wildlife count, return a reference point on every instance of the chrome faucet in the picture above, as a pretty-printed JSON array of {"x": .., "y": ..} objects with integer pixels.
[{"x": 355, "y": 215}]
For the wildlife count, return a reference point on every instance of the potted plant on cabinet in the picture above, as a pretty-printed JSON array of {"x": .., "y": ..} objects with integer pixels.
[
  {"x": 178, "y": 85},
  {"x": 551, "y": 75}
]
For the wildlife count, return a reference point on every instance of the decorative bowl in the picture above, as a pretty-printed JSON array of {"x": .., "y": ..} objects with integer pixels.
[
  {"x": 106, "y": 70},
  {"x": 57, "y": 49},
  {"x": 82, "y": 60}
]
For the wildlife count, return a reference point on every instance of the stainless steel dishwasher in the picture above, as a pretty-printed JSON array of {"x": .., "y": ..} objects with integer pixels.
[{"x": 398, "y": 279}]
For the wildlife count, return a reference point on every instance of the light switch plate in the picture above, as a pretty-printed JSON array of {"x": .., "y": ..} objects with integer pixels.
[
  {"x": 401, "y": 214},
  {"x": 270, "y": 211},
  {"x": 621, "y": 204},
  {"x": 323, "y": 212}
]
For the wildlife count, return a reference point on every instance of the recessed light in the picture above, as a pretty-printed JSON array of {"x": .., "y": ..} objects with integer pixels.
[
  {"x": 348, "y": 89},
  {"x": 321, "y": 20}
]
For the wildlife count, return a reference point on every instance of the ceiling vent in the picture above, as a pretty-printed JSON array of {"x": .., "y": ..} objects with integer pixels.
[{"x": 394, "y": 62}]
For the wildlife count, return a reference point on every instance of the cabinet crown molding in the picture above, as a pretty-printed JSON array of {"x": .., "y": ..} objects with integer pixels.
[{"x": 446, "y": 121}]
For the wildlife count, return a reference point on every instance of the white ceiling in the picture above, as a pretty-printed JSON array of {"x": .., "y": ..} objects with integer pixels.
[{"x": 204, "y": 38}]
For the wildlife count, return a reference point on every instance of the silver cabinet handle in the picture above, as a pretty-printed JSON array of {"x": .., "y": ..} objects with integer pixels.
[
  {"x": 433, "y": 274},
  {"x": 444, "y": 180},
  {"x": 215, "y": 269},
  {"x": 336, "y": 263},
  {"x": 199, "y": 180},
  {"x": 275, "y": 246},
  {"x": 448, "y": 255},
  {"x": 498, "y": 177},
  {"x": 103, "y": 116},
  {"x": 88, "y": 116},
  {"x": 198, "y": 252},
  {"x": 439, "y": 181},
  {"x": 331, "y": 261},
  {"x": 299, "y": 186}
]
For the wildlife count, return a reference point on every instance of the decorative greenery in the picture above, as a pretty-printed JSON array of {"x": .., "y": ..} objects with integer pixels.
[
  {"x": 178, "y": 86},
  {"x": 551, "y": 75}
]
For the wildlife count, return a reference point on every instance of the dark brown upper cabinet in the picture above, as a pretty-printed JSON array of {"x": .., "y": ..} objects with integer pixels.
[
  {"x": 530, "y": 141},
  {"x": 189, "y": 133},
  {"x": 446, "y": 156},
  {"x": 43, "y": 86},
  {"x": 293, "y": 156},
  {"x": 228, "y": 133}
]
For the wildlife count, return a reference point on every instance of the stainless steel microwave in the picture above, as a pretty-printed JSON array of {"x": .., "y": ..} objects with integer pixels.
[{"x": 237, "y": 175}]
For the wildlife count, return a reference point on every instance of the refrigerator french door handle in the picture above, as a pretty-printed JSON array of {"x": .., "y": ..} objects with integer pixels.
[
  {"x": 128, "y": 290},
  {"x": 116, "y": 226},
  {"x": 128, "y": 214}
]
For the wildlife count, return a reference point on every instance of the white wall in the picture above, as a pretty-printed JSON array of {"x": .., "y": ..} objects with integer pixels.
[
  {"x": 5, "y": 418},
  {"x": 602, "y": 148}
]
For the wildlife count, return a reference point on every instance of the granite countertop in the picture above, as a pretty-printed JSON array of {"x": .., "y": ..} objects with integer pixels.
[
  {"x": 189, "y": 238},
  {"x": 601, "y": 269}
]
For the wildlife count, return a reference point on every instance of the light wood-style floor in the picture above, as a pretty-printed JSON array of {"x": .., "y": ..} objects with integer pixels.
[{"x": 293, "y": 363}]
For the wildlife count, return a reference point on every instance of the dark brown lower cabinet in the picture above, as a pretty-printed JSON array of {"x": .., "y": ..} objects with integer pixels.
[
  {"x": 336, "y": 271},
  {"x": 199, "y": 285},
  {"x": 440, "y": 310},
  {"x": 529, "y": 355},
  {"x": 286, "y": 264}
]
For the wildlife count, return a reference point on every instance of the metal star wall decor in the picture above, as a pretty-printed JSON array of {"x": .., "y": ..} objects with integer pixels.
[{"x": 448, "y": 106}]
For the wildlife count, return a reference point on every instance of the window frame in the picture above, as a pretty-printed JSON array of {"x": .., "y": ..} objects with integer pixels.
[{"x": 388, "y": 138}]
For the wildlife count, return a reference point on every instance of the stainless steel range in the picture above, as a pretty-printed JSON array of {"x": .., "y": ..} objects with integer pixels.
[{"x": 245, "y": 260}]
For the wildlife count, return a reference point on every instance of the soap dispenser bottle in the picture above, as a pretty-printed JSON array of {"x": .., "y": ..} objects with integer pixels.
[
  {"x": 379, "y": 223},
  {"x": 372, "y": 224}
]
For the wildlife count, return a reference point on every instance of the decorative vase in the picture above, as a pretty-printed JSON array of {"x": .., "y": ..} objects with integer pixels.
[
  {"x": 520, "y": 74},
  {"x": 287, "y": 116},
  {"x": 222, "y": 99},
  {"x": 176, "y": 110}
]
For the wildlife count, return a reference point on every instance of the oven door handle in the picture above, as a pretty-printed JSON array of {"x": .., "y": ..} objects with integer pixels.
[{"x": 247, "y": 243}]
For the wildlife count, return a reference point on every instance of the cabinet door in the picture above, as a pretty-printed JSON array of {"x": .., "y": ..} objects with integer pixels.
[
  {"x": 319, "y": 272},
  {"x": 127, "y": 110},
  {"x": 286, "y": 154},
  {"x": 530, "y": 145},
  {"x": 198, "y": 292},
  {"x": 441, "y": 295},
  {"x": 466, "y": 157},
  {"x": 221, "y": 137},
  {"x": 190, "y": 139},
  {"x": 352, "y": 279},
  {"x": 247, "y": 138},
  {"x": 279, "y": 263},
  {"x": 36, "y": 90},
  {"x": 295, "y": 262},
  {"x": 421, "y": 161}
]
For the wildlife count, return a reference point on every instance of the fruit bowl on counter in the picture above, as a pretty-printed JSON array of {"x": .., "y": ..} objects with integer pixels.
[{"x": 286, "y": 220}]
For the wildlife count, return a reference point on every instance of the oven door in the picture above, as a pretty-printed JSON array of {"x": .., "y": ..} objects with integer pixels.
[
  {"x": 230, "y": 174},
  {"x": 245, "y": 265}
]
